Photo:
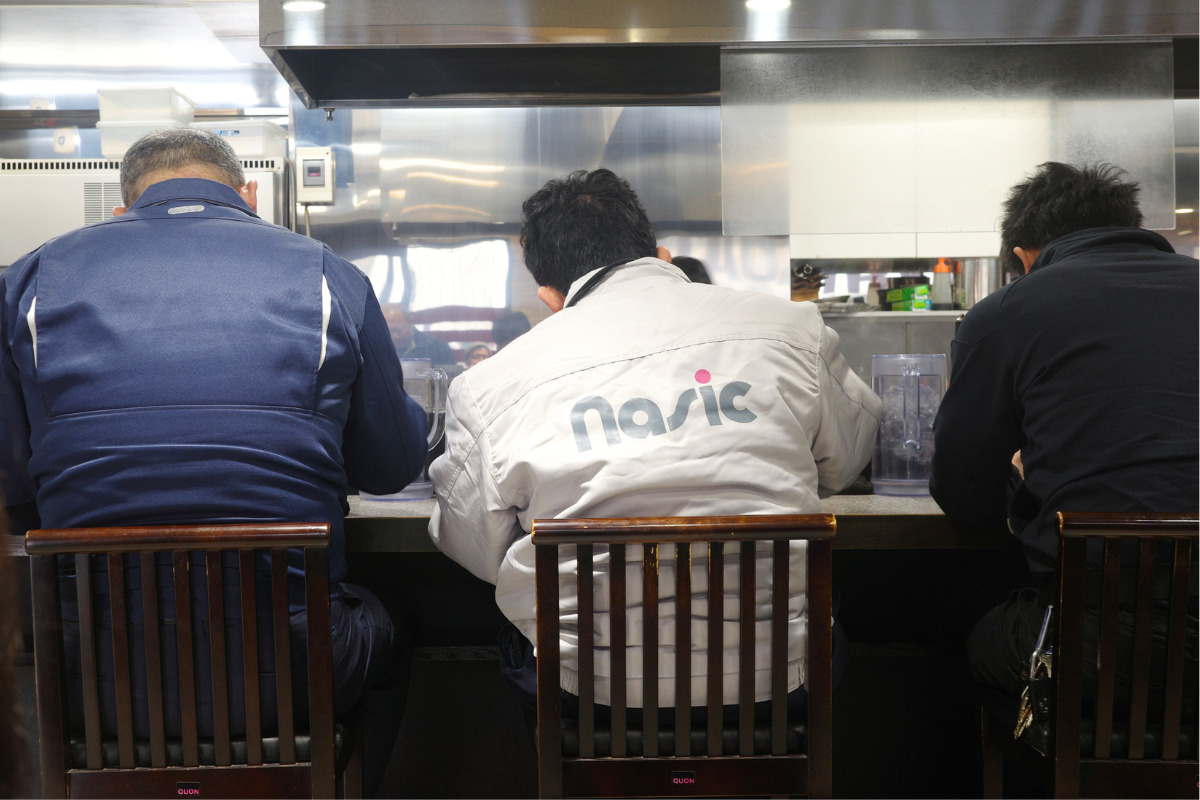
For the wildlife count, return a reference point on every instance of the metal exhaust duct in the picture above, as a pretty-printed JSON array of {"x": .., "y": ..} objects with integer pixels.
[{"x": 408, "y": 53}]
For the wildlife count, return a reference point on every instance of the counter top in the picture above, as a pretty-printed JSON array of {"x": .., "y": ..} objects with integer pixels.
[{"x": 865, "y": 522}]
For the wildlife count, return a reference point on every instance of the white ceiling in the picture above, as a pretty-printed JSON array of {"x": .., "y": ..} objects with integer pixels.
[{"x": 185, "y": 34}]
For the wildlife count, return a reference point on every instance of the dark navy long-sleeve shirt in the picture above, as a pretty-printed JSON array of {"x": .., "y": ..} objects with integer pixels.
[
  {"x": 1088, "y": 366},
  {"x": 188, "y": 362}
]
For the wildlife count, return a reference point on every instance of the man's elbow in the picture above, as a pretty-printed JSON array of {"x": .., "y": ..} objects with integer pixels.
[
  {"x": 387, "y": 473},
  {"x": 966, "y": 509}
]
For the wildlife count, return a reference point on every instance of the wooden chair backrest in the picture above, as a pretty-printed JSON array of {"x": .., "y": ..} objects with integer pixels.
[
  {"x": 14, "y": 779},
  {"x": 255, "y": 778},
  {"x": 742, "y": 774},
  {"x": 1126, "y": 582}
]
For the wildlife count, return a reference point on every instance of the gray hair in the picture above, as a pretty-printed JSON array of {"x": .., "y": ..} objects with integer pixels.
[{"x": 175, "y": 148}]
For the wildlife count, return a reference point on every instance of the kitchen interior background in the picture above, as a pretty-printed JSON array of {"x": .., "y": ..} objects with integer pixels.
[{"x": 427, "y": 200}]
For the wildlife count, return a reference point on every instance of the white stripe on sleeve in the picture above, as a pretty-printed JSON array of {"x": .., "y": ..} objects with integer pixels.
[
  {"x": 32, "y": 323},
  {"x": 326, "y": 305}
]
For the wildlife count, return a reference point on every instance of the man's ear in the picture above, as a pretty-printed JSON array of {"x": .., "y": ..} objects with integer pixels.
[
  {"x": 664, "y": 254},
  {"x": 249, "y": 193},
  {"x": 1027, "y": 256},
  {"x": 553, "y": 298}
]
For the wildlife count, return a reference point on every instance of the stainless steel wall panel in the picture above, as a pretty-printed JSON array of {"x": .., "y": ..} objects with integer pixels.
[
  {"x": 917, "y": 146},
  {"x": 463, "y": 166},
  {"x": 869, "y": 333}
]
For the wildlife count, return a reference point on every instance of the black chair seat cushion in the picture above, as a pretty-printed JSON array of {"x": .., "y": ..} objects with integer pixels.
[
  {"x": 1039, "y": 737},
  {"x": 77, "y": 750},
  {"x": 1002, "y": 711},
  {"x": 666, "y": 740}
]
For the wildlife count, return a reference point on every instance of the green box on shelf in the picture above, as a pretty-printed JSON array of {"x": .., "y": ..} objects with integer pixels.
[
  {"x": 907, "y": 293},
  {"x": 916, "y": 304},
  {"x": 908, "y": 298}
]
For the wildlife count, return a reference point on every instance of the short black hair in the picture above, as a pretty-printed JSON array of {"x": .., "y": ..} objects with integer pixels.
[
  {"x": 1059, "y": 199},
  {"x": 507, "y": 327},
  {"x": 581, "y": 222},
  {"x": 693, "y": 268}
]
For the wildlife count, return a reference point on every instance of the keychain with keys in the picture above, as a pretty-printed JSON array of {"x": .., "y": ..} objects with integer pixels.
[{"x": 1036, "y": 696}]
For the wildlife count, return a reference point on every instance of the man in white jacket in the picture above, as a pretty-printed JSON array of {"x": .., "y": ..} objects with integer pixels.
[{"x": 642, "y": 395}]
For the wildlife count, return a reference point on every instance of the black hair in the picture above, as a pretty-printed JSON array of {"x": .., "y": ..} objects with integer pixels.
[
  {"x": 693, "y": 268},
  {"x": 1059, "y": 199},
  {"x": 581, "y": 222},
  {"x": 509, "y": 326}
]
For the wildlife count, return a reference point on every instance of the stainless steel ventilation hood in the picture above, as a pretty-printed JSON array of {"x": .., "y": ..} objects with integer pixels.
[{"x": 398, "y": 53}]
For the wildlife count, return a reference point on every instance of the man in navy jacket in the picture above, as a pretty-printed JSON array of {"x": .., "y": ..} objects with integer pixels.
[
  {"x": 1073, "y": 388},
  {"x": 187, "y": 362}
]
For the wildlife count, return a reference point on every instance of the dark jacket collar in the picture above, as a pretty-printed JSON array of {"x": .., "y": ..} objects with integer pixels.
[{"x": 1093, "y": 238}]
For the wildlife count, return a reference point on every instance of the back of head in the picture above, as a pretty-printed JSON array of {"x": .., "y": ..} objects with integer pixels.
[
  {"x": 579, "y": 223},
  {"x": 693, "y": 268},
  {"x": 509, "y": 326},
  {"x": 1060, "y": 199},
  {"x": 175, "y": 149}
]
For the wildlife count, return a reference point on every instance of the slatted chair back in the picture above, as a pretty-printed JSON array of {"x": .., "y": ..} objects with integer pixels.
[
  {"x": 1139, "y": 746},
  {"x": 786, "y": 757},
  {"x": 297, "y": 761}
]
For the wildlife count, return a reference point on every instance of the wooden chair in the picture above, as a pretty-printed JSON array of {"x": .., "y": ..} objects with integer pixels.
[
  {"x": 1120, "y": 748},
  {"x": 786, "y": 757},
  {"x": 298, "y": 761}
]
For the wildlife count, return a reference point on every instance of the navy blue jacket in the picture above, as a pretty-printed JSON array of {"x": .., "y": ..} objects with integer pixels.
[
  {"x": 1088, "y": 366},
  {"x": 188, "y": 362}
]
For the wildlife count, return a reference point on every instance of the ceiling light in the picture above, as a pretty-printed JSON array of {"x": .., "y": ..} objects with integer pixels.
[
  {"x": 1184, "y": 210},
  {"x": 767, "y": 5},
  {"x": 303, "y": 5}
]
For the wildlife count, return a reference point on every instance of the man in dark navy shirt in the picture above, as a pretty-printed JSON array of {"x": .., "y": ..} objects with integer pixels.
[
  {"x": 187, "y": 362},
  {"x": 1073, "y": 388},
  {"x": 412, "y": 342}
]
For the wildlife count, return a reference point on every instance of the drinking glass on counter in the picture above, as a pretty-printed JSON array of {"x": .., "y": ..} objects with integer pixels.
[
  {"x": 911, "y": 388},
  {"x": 426, "y": 384}
]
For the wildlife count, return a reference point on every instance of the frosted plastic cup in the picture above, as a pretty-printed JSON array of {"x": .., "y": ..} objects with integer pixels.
[
  {"x": 426, "y": 384},
  {"x": 911, "y": 388}
]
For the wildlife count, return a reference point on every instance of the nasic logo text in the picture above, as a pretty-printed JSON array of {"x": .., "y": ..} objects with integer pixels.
[{"x": 717, "y": 407}]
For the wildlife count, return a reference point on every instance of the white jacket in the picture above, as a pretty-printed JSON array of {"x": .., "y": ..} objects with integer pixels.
[{"x": 651, "y": 397}]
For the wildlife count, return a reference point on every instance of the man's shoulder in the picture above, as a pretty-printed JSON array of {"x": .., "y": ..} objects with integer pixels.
[
  {"x": 643, "y": 337},
  {"x": 739, "y": 313},
  {"x": 991, "y": 314},
  {"x": 19, "y": 271}
]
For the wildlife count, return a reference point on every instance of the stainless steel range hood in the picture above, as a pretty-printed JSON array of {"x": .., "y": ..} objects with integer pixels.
[{"x": 397, "y": 53}]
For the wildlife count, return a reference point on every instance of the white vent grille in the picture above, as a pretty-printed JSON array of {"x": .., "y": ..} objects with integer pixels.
[
  {"x": 26, "y": 165},
  {"x": 263, "y": 164},
  {"x": 44, "y": 198},
  {"x": 99, "y": 199}
]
